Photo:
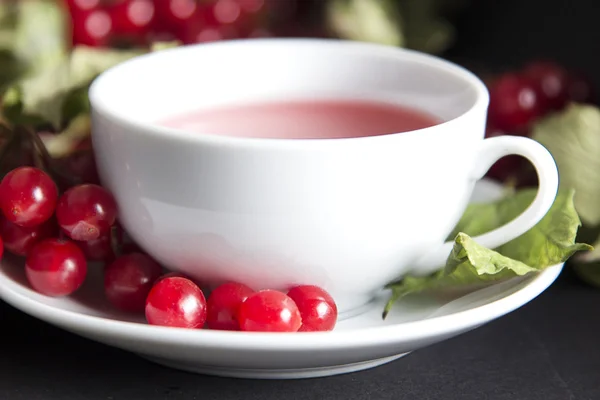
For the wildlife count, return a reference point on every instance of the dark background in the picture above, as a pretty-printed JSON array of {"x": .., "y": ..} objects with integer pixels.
[
  {"x": 547, "y": 350},
  {"x": 501, "y": 34}
]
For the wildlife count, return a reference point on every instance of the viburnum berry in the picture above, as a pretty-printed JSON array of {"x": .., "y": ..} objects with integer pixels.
[
  {"x": 133, "y": 18},
  {"x": 28, "y": 196},
  {"x": 129, "y": 279},
  {"x": 55, "y": 267},
  {"x": 173, "y": 14},
  {"x": 514, "y": 103},
  {"x": 317, "y": 308},
  {"x": 551, "y": 84},
  {"x": 91, "y": 27},
  {"x": 175, "y": 275},
  {"x": 99, "y": 249},
  {"x": 223, "y": 305},
  {"x": 176, "y": 302},
  {"x": 82, "y": 5},
  {"x": 20, "y": 240},
  {"x": 269, "y": 311},
  {"x": 86, "y": 212},
  {"x": 254, "y": 6}
]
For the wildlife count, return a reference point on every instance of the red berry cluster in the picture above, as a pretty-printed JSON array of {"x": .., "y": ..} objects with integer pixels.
[
  {"x": 177, "y": 301},
  {"x": 59, "y": 233},
  {"x": 519, "y": 98},
  {"x": 107, "y": 23},
  {"x": 53, "y": 232}
]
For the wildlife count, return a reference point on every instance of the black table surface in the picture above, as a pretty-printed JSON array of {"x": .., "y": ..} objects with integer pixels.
[{"x": 547, "y": 350}]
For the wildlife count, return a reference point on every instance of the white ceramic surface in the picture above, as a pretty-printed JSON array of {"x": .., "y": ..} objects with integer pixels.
[
  {"x": 348, "y": 215},
  {"x": 357, "y": 343}
]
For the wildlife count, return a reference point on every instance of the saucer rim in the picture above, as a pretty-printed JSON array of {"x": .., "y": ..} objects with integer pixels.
[{"x": 532, "y": 286}]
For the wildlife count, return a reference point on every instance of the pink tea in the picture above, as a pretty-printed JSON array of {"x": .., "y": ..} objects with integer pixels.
[{"x": 321, "y": 119}]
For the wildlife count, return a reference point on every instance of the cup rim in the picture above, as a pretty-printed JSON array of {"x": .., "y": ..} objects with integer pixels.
[{"x": 103, "y": 108}]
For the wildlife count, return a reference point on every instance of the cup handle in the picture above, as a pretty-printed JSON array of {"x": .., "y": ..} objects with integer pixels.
[{"x": 492, "y": 150}]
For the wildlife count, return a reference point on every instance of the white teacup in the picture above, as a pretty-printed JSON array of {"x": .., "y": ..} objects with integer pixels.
[{"x": 349, "y": 215}]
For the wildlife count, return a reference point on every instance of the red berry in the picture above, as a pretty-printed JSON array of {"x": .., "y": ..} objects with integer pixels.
[
  {"x": 223, "y": 305},
  {"x": 76, "y": 5},
  {"x": 269, "y": 311},
  {"x": 20, "y": 240},
  {"x": 28, "y": 196},
  {"x": 174, "y": 275},
  {"x": 513, "y": 103},
  {"x": 1, "y": 248},
  {"x": 199, "y": 33},
  {"x": 176, "y": 302},
  {"x": 252, "y": 6},
  {"x": 86, "y": 212},
  {"x": 129, "y": 279},
  {"x": 55, "y": 267},
  {"x": 91, "y": 27},
  {"x": 210, "y": 22},
  {"x": 550, "y": 82},
  {"x": 97, "y": 249},
  {"x": 226, "y": 11},
  {"x": 317, "y": 308},
  {"x": 172, "y": 14},
  {"x": 580, "y": 89},
  {"x": 132, "y": 17}
]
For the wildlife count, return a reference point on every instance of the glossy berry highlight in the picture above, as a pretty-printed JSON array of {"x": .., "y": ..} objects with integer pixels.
[
  {"x": 317, "y": 308},
  {"x": 514, "y": 103},
  {"x": 176, "y": 302},
  {"x": 28, "y": 196},
  {"x": 132, "y": 18},
  {"x": 550, "y": 82},
  {"x": 55, "y": 267},
  {"x": 269, "y": 311},
  {"x": 86, "y": 212}
]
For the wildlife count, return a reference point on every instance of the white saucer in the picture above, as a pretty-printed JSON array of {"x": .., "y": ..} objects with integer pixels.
[{"x": 357, "y": 343}]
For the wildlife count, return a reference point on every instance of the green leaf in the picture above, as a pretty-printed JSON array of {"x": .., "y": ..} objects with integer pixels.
[
  {"x": 550, "y": 242},
  {"x": 40, "y": 36},
  {"x": 65, "y": 143},
  {"x": 375, "y": 21},
  {"x": 43, "y": 96},
  {"x": 33, "y": 36},
  {"x": 468, "y": 264},
  {"x": 573, "y": 138}
]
